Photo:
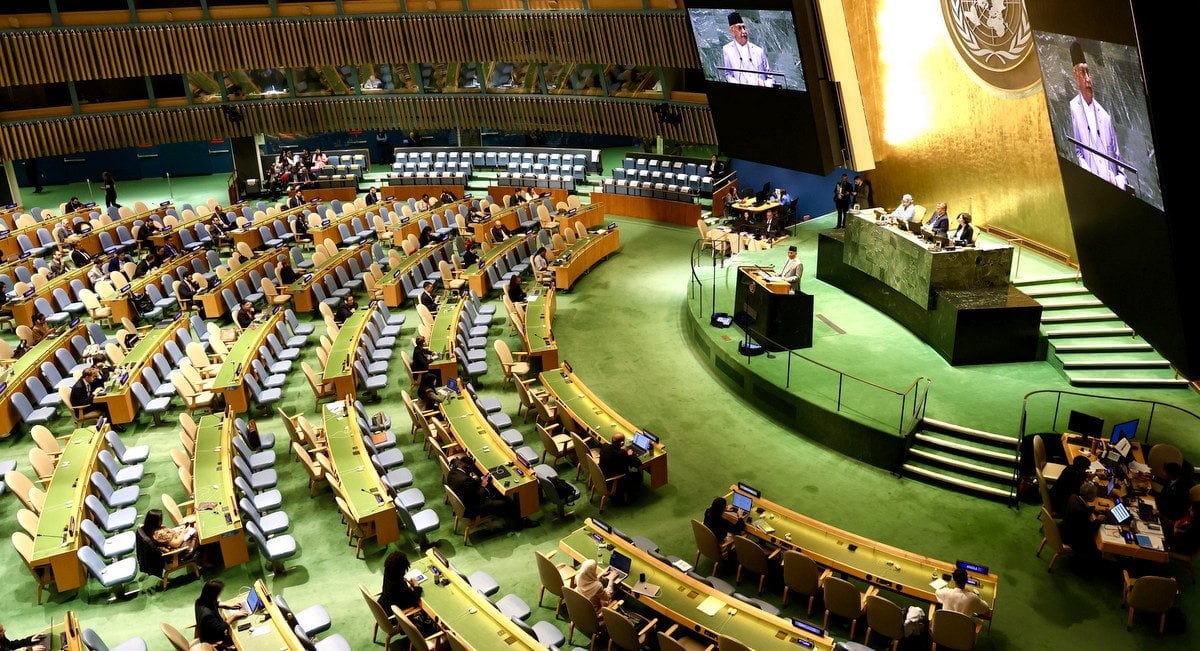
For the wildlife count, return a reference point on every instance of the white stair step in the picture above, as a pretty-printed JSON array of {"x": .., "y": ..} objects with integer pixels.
[
  {"x": 1078, "y": 317},
  {"x": 944, "y": 444},
  {"x": 1128, "y": 382},
  {"x": 962, "y": 465},
  {"x": 1071, "y": 304},
  {"x": 1045, "y": 280},
  {"x": 1040, "y": 292},
  {"x": 961, "y": 483},
  {"x": 998, "y": 439},
  {"x": 1110, "y": 362},
  {"x": 1103, "y": 347},
  {"x": 1089, "y": 331}
]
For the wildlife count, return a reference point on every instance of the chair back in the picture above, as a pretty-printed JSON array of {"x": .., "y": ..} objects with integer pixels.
[
  {"x": 750, "y": 555},
  {"x": 548, "y": 573},
  {"x": 416, "y": 640},
  {"x": 45, "y": 439},
  {"x": 149, "y": 557},
  {"x": 177, "y": 640},
  {"x": 706, "y": 541},
  {"x": 581, "y": 612},
  {"x": 620, "y": 630},
  {"x": 842, "y": 598},
  {"x": 456, "y": 504},
  {"x": 1051, "y": 531},
  {"x": 29, "y": 522},
  {"x": 885, "y": 617},
  {"x": 952, "y": 630},
  {"x": 1153, "y": 594},
  {"x": 1162, "y": 454},
  {"x": 726, "y": 643},
  {"x": 800, "y": 573},
  {"x": 1039, "y": 452},
  {"x": 381, "y": 617}
]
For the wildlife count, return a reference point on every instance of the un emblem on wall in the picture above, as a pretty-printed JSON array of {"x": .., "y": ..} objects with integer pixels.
[{"x": 995, "y": 42}]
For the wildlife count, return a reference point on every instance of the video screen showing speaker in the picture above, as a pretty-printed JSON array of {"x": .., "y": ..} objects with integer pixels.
[
  {"x": 770, "y": 98},
  {"x": 750, "y": 47},
  {"x": 1095, "y": 94}
]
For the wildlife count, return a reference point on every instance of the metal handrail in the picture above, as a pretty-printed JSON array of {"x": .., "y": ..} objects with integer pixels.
[{"x": 1153, "y": 404}]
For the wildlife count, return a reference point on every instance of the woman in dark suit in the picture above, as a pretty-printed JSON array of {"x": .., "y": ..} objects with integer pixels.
[
  {"x": 110, "y": 190},
  {"x": 964, "y": 234},
  {"x": 212, "y": 627},
  {"x": 398, "y": 591}
]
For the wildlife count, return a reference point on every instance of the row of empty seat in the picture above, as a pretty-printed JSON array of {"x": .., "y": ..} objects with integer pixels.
[{"x": 671, "y": 191}]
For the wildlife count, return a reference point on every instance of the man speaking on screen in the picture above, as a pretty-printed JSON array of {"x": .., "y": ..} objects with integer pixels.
[
  {"x": 1093, "y": 126},
  {"x": 745, "y": 62}
]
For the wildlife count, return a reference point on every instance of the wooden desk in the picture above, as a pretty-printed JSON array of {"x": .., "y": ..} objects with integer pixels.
[
  {"x": 29, "y": 365},
  {"x": 171, "y": 235},
  {"x": 461, "y": 608},
  {"x": 393, "y": 290},
  {"x": 581, "y": 411},
  {"x": 218, "y": 519},
  {"x": 470, "y": 427},
  {"x": 442, "y": 336},
  {"x": 679, "y": 213},
  {"x": 1109, "y": 539},
  {"x": 330, "y": 231},
  {"x": 301, "y": 290},
  {"x": 210, "y": 299},
  {"x": 269, "y": 630},
  {"x": 681, "y": 595},
  {"x": 584, "y": 254},
  {"x": 122, "y": 406},
  {"x": 90, "y": 241},
  {"x": 230, "y": 378},
  {"x": 58, "y": 537},
  {"x": 538, "y": 334},
  {"x": 404, "y": 192},
  {"x": 121, "y": 304},
  {"x": 752, "y": 206},
  {"x": 23, "y": 308},
  {"x": 64, "y": 635},
  {"x": 477, "y": 278},
  {"x": 366, "y": 496},
  {"x": 339, "y": 369},
  {"x": 878, "y": 564},
  {"x": 501, "y": 191}
]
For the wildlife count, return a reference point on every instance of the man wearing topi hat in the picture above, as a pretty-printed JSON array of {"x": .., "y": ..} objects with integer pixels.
[
  {"x": 1092, "y": 126},
  {"x": 792, "y": 269},
  {"x": 745, "y": 62}
]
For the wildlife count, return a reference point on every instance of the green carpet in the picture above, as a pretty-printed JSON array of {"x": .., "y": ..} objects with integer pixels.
[{"x": 623, "y": 330}]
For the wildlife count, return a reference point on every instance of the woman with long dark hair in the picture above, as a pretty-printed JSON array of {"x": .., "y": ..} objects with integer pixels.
[
  {"x": 212, "y": 627},
  {"x": 398, "y": 591},
  {"x": 110, "y": 190}
]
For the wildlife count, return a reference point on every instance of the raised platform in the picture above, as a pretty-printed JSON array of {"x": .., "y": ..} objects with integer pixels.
[{"x": 983, "y": 325}]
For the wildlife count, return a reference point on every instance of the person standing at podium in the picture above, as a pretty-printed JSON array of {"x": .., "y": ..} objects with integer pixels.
[{"x": 793, "y": 269}]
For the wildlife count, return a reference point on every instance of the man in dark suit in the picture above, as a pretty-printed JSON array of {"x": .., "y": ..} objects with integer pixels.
[
  {"x": 79, "y": 257},
  {"x": 499, "y": 232},
  {"x": 939, "y": 223},
  {"x": 843, "y": 198},
  {"x": 245, "y": 316},
  {"x": 426, "y": 298},
  {"x": 616, "y": 460},
  {"x": 372, "y": 197},
  {"x": 421, "y": 356},
  {"x": 84, "y": 391},
  {"x": 477, "y": 497},
  {"x": 296, "y": 200}
]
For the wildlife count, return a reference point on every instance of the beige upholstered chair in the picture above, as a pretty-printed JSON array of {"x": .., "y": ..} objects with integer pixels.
[
  {"x": 951, "y": 630},
  {"x": 884, "y": 618},
  {"x": 800, "y": 575},
  {"x": 844, "y": 599},
  {"x": 1152, "y": 594},
  {"x": 1052, "y": 535}
]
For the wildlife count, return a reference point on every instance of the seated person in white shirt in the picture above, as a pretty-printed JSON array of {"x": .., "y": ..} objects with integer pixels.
[
  {"x": 906, "y": 210},
  {"x": 961, "y": 600}
]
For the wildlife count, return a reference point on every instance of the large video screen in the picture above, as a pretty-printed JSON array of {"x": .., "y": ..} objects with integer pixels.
[
  {"x": 771, "y": 99},
  {"x": 751, "y": 47},
  {"x": 1096, "y": 97}
]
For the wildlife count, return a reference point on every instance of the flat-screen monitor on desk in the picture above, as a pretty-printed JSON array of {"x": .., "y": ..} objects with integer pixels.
[
  {"x": 1126, "y": 430},
  {"x": 1085, "y": 424}
]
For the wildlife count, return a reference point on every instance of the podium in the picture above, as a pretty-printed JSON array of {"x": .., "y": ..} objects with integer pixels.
[{"x": 772, "y": 315}]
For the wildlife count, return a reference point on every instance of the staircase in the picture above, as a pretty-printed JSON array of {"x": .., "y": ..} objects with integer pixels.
[
  {"x": 968, "y": 459},
  {"x": 1090, "y": 343}
]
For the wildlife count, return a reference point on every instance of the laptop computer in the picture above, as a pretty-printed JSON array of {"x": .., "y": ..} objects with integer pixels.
[
  {"x": 642, "y": 444},
  {"x": 1121, "y": 515},
  {"x": 742, "y": 503},
  {"x": 619, "y": 564},
  {"x": 253, "y": 602}
]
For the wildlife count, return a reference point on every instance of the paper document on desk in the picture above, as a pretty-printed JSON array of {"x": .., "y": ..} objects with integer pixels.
[
  {"x": 1137, "y": 466},
  {"x": 938, "y": 583},
  {"x": 762, "y": 524},
  {"x": 1111, "y": 533},
  {"x": 710, "y": 606},
  {"x": 1096, "y": 465},
  {"x": 682, "y": 565}
]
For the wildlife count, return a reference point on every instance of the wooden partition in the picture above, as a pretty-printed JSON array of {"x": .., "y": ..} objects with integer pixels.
[
  {"x": 659, "y": 210},
  {"x": 404, "y": 192},
  {"x": 500, "y": 191}
]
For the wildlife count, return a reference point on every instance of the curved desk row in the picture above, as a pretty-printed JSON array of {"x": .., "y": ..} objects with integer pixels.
[
  {"x": 878, "y": 564},
  {"x": 538, "y": 333},
  {"x": 394, "y": 293},
  {"x": 120, "y": 303},
  {"x": 365, "y": 494},
  {"x": 339, "y": 369},
  {"x": 579, "y": 258},
  {"x": 463, "y": 610},
  {"x": 269, "y": 629},
  {"x": 58, "y": 536},
  {"x": 117, "y": 396},
  {"x": 210, "y": 299},
  {"x": 218, "y": 519},
  {"x": 230, "y": 379},
  {"x": 475, "y": 435},
  {"x": 301, "y": 290},
  {"x": 90, "y": 241},
  {"x": 687, "y": 600},
  {"x": 27, "y": 366},
  {"x": 24, "y": 307},
  {"x": 477, "y": 278},
  {"x": 442, "y": 336},
  {"x": 582, "y": 412}
]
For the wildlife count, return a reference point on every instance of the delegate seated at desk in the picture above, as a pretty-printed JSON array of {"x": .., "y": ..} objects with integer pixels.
[
  {"x": 1080, "y": 524},
  {"x": 722, "y": 520},
  {"x": 906, "y": 211},
  {"x": 593, "y": 585},
  {"x": 617, "y": 460},
  {"x": 961, "y": 600},
  {"x": 246, "y": 315},
  {"x": 397, "y": 590},
  {"x": 964, "y": 234},
  {"x": 212, "y": 627},
  {"x": 477, "y": 497},
  {"x": 938, "y": 223},
  {"x": 32, "y": 643},
  {"x": 426, "y": 297}
]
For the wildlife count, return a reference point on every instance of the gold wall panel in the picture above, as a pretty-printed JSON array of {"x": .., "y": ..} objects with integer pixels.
[
  {"x": 57, "y": 136},
  {"x": 939, "y": 134}
]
